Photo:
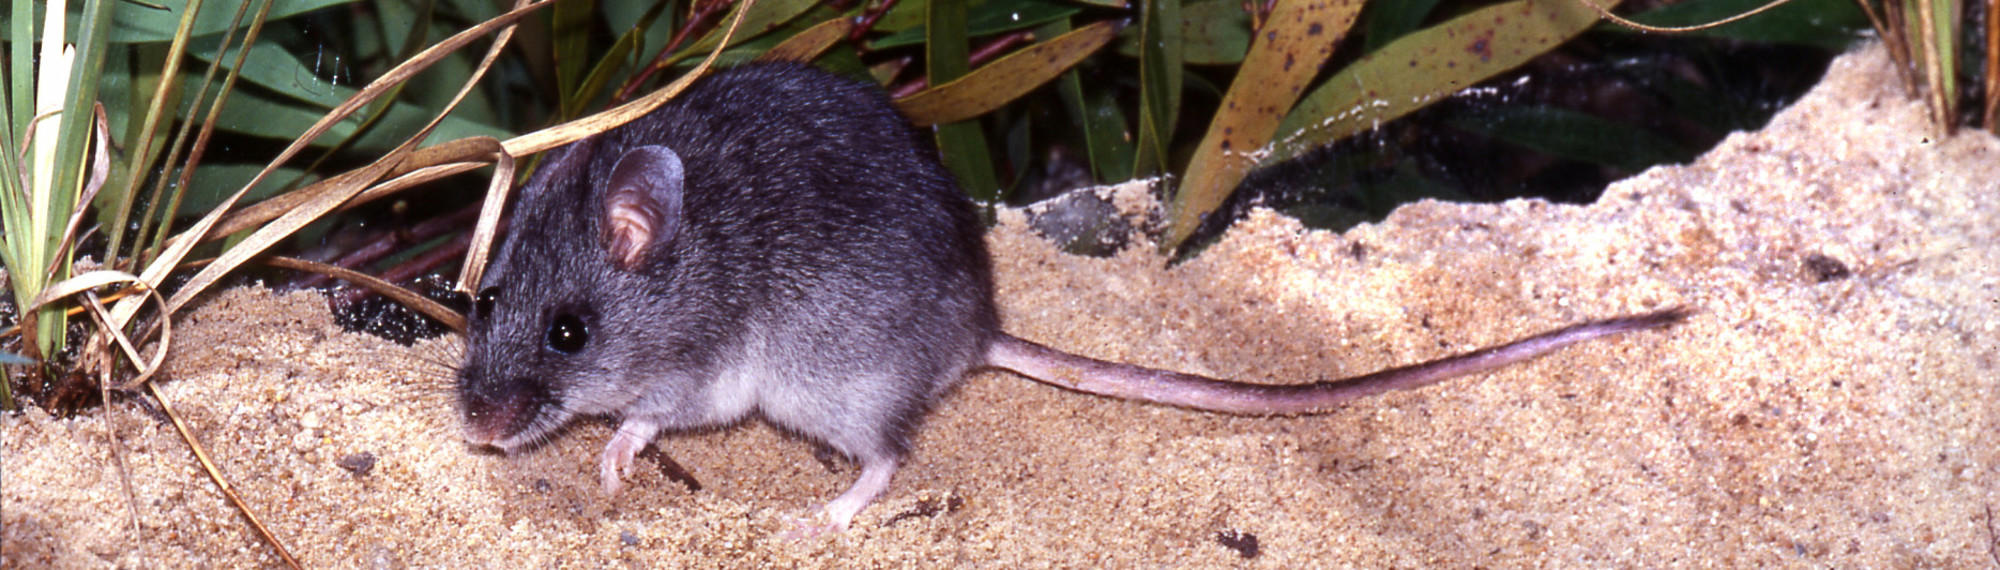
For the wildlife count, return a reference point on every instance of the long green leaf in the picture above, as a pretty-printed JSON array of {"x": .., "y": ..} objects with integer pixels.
[
  {"x": 961, "y": 145},
  {"x": 1213, "y": 32},
  {"x": 569, "y": 31},
  {"x": 1100, "y": 124},
  {"x": 1425, "y": 66},
  {"x": 133, "y": 23},
  {"x": 618, "y": 58},
  {"x": 21, "y": 69},
  {"x": 991, "y": 18},
  {"x": 156, "y": 109},
  {"x": 252, "y": 114},
  {"x": 1159, "y": 84}
]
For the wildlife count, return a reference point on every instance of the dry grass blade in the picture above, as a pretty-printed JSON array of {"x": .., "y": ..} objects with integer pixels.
[
  {"x": 313, "y": 210},
  {"x": 83, "y": 284},
  {"x": 1937, "y": 34},
  {"x": 421, "y": 304},
  {"x": 610, "y": 118},
  {"x": 489, "y": 220},
  {"x": 1614, "y": 18},
  {"x": 496, "y": 194},
  {"x": 201, "y": 454},
  {"x": 114, "y": 324},
  {"x": 100, "y": 168},
  {"x": 454, "y": 157},
  {"x": 157, "y": 271}
]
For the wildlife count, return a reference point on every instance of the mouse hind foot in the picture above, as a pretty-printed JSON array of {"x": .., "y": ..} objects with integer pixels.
[{"x": 838, "y": 514}]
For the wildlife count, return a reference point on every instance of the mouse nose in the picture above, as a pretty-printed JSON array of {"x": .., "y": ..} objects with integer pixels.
[{"x": 495, "y": 411}]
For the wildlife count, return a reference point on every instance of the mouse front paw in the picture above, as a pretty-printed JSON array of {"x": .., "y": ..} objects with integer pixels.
[{"x": 616, "y": 462}]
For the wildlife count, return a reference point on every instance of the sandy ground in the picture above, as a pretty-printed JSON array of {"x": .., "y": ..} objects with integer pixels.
[{"x": 1835, "y": 403}]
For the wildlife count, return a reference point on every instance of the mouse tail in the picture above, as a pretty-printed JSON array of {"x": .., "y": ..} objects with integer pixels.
[{"x": 1090, "y": 375}]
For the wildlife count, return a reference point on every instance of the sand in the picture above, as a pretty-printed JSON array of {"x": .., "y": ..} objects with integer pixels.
[{"x": 1833, "y": 404}]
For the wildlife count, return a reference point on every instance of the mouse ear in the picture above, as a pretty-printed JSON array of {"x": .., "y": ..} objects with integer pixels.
[{"x": 643, "y": 208}]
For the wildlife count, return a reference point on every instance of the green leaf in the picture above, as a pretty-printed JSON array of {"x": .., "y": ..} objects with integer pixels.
[
  {"x": 989, "y": 18},
  {"x": 961, "y": 145},
  {"x": 1100, "y": 124},
  {"x": 1825, "y": 24},
  {"x": 20, "y": 69},
  {"x": 1412, "y": 72},
  {"x": 764, "y": 16},
  {"x": 1159, "y": 84},
  {"x": 613, "y": 61},
  {"x": 1575, "y": 135},
  {"x": 629, "y": 17},
  {"x": 135, "y": 23},
  {"x": 214, "y": 182},
  {"x": 904, "y": 15},
  {"x": 252, "y": 114},
  {"x": 1213, "y": 32},
  {"x": 569, "y": 42},
  {"x": 1384, "y": 22},
  {"x": 273, "y": 68}
]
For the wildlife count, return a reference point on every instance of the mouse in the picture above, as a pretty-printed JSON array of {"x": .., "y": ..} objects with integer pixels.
[{"x": 778, "y": 242}]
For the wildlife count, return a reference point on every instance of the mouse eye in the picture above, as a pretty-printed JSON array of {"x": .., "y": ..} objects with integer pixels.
[
  {"x": 483, "y": 304},
  {"x": 567, "y": 335}
]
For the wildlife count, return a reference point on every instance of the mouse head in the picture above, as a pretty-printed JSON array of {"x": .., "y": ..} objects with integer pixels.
[{"x": 550, "y": 333}]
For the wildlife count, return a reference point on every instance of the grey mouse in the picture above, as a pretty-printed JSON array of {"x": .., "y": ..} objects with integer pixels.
[{"x": 778, "y": 242}]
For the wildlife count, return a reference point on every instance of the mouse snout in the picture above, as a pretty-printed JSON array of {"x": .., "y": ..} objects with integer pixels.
[{"x": 496, "y": 412}]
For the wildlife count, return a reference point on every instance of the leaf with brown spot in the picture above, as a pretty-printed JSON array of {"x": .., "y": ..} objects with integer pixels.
[
  {"x": 1428, "y": 65},
  {"x": 1297, "y": 38},
  {"x": 1006, "y": 79}
]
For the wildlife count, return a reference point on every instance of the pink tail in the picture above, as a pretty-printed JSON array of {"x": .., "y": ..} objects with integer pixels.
[{"x": 1130, "y": 382}]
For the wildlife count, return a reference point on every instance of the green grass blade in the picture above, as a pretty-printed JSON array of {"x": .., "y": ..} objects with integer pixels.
[
  {"x": 613, "y": 61},
  {"x": 21, "y": 66},
  {"x": 253, "y": 114},
  {"x": 143, "y": 145},
  {"x": 1159, "y": 84}
]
